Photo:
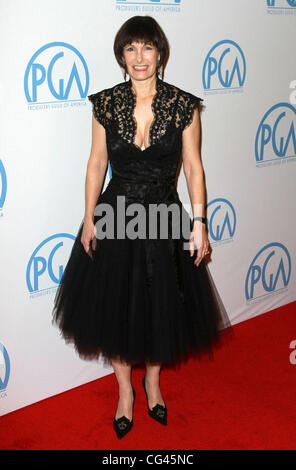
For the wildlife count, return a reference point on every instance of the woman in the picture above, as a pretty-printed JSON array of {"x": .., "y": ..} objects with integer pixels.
[{"x": 141, "y": 299}]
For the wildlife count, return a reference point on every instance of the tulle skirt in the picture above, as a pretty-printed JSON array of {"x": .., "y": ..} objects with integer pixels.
[{"x": 123, "y": 304}]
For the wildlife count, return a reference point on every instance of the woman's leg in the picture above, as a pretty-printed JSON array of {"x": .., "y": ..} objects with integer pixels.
[
  {"x": 123, "y": 374},
  {"x": 152, "y": 385}
]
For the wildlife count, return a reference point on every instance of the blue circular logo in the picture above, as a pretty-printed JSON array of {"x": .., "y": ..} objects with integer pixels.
[
  {"x": 275, "y": 137},
  {"x": 3, "y": 185},
  {"x": 221, "y": 219},
  {"x": 53, "y": 71},
  {"x": 4, "y": 367},
  {"x": 269, "y": 271},
  {"x": 224, "y": 66},
  {"x": 46, "y": 264}
]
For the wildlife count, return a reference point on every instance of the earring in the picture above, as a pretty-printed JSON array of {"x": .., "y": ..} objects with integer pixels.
[{"x": 158, "y": 69}]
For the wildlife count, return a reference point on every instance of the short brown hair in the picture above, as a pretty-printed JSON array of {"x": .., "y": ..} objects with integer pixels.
[{"x": 142, "y": 28}]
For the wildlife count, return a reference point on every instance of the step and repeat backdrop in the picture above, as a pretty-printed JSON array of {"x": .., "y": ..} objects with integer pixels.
[{"x": 239, "y": 57}]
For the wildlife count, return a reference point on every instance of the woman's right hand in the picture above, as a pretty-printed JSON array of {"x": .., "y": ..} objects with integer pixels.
[{"x": 88, "y": 236}]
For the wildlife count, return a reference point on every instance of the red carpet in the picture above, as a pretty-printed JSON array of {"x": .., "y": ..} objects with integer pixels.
[{"x": 243, "y": 399}]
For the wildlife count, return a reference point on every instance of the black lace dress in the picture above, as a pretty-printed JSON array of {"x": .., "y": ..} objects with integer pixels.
[{"x": 142, "y": 299}]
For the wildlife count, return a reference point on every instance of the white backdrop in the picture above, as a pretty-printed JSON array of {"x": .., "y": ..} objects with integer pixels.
[{"x": 236, "y": 55}]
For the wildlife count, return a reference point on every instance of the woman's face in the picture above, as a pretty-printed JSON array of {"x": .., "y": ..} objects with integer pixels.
[{"x": 141, "y": 59}]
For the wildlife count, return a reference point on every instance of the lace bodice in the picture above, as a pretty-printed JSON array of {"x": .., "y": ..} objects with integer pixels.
[
  {"x": 114, "y": 108},
  {"x": 144, "y": 176}
]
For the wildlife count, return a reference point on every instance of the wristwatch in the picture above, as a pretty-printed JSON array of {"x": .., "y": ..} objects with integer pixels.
[{"x": 202, "y": 219}]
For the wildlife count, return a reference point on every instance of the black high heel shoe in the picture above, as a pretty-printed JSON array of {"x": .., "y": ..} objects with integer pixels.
[
  {"x": 123, "y": 425},
  {"x": 158, "y": 412}
]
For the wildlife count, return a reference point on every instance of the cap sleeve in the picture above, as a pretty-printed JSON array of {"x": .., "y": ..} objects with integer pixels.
[
  {"x": 190, "y": 102},
  {"x": 100, "y": 101}
]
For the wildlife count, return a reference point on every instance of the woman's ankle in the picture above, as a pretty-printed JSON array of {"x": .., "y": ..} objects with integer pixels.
[{"x": 125, "y": 389}]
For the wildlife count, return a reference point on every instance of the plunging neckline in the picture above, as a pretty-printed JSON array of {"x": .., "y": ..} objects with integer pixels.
[{"x": 134, "y": 98}]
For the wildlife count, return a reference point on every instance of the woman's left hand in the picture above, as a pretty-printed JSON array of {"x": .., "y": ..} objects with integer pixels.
[{"x": 198, "y": 239}]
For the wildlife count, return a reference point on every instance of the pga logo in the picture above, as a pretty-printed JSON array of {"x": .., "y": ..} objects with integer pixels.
[
  {"x": 276, "y": 137},
  {"x": 224, "y": 66},
  {"x": 46, "y": 264},
  {"x": 281, "y": 3},
  {"x": 3, "y": 186},
  {"x": 269, "y": 271},
  {"x": 56, "y": 72},
  {"x": 221, "y": 218},
  {"x": 4, "y": 367}
]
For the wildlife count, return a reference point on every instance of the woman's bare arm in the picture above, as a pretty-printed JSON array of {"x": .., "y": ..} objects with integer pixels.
[
  {"x": 96, "y": 168},
  {"x": 95, "y": 173},
  {"x": 194, "y": 173},
  {"x": 192, "y": 165}
]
